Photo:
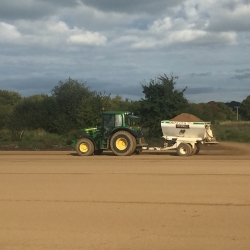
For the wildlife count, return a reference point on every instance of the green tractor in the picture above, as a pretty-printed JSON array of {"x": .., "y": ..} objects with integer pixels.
[{"x": 118, "y": 132}]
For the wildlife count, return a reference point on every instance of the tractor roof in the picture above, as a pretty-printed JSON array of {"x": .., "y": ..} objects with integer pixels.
[{"x": 117, "y": 112}]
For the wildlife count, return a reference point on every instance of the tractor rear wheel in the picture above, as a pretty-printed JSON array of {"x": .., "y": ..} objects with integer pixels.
[
  {"x": 184, "y": 149},
  {"x": 85, "y": 147},
  {"x": 123, "y": 143}
]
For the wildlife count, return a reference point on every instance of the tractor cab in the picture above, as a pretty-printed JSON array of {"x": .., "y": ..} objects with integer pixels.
[{"x": 115, "y": 120}]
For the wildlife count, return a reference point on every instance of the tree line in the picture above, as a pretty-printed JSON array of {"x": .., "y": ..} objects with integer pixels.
[{"x": 72, "y": 105}]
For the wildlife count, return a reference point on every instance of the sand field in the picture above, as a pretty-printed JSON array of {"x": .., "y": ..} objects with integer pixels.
[{"x": 156, "y": 200}]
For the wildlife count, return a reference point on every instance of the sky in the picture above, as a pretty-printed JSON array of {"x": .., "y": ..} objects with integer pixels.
[{"x": 115, "y": 47}]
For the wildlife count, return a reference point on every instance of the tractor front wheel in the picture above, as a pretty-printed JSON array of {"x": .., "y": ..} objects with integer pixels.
[
  {"x": 85, "y": 147},
  {"x": 123, "y": 143}
]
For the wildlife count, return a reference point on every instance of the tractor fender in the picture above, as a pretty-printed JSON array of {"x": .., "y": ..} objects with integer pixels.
[
  {"x": 132, "y": 132},
  {"x": 91, "y": 138}
]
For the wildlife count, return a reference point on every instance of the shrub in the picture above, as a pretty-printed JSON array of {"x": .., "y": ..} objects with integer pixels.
[{"x": 232, "y": 131}]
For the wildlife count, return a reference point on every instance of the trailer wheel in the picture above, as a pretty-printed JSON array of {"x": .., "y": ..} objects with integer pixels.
[
  {"x": 123, "y": 143},
  {"x": 85, "y": 147},
  {"x": 184, "y": 149},
  {"x": 196, "y": 149},
  {"x": 138, "y": 151}
]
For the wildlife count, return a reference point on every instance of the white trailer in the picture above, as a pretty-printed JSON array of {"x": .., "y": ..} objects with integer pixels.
[{"x": 185, "y": 137}]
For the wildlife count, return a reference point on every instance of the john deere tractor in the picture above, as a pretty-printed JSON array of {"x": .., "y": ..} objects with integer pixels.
[{"x": 118, "y": 132}]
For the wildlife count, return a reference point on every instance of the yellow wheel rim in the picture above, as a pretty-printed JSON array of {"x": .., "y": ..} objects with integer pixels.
[
  {"x": 121, "y": 143},
  {"x": 83, "y": 147}
]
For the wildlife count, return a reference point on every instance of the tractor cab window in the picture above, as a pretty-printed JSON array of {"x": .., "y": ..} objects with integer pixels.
[
  {"x": 118, "y": 120},
  {"x": 111, "y": 121}
]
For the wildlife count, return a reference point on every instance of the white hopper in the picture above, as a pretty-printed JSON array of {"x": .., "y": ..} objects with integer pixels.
[{"x": 199, "y": 130}]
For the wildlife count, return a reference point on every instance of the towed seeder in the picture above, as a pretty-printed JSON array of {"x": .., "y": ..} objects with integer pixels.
[{"x": 185, "y": 137}]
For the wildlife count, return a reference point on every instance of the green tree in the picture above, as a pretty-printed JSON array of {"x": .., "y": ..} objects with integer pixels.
[
  {"x": 162, "y": 101},
  {"x": 89, "y": 111},
  {"x": 118, "y": 103},
  {"x": 34, "y": 112},
  {"x": 70, "y": 96},
  {"x": 244, "y": 109},
  {"x": 212, "y": 111},
  {"x": 8, "y": 99},
  {"x": 233, "y": 104}
]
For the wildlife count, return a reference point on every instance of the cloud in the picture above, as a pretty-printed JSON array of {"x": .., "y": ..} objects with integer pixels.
[
  {"x": 202, "y": 37},
  {"x": 201, "y": 74},
  {"x": 131, "y": 6},
  {"x": 49, "y": 34},
  {"x": 195, "y": 37},
  {"x": 88, "y": 38},
  {"x": 189, "y": 26},
  {"x": 235, "y": 18},
  {"x": 29, "y": 86},
  {"x": 200, "y": 90},
  {"x": 241, "y": 74},
  {"x": 32, "y": 9},
  {"x": 113, "y": 45},
  {"x": 8, "y": 33},
  {"x": 242, "y": 70}
]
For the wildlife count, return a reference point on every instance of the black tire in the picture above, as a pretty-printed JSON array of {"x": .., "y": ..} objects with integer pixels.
[
  {"x": 138, "y": 151},
  {"x": 85, "y": 147},
  {"x": 198, "y": 148},
  {"x": 98, "y": 151},
  {"x": 123, "y": 143},
  {"x": 184, "y": 149}
]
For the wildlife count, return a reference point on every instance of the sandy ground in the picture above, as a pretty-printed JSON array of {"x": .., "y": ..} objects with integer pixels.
[{"x": 57, "y": 200}]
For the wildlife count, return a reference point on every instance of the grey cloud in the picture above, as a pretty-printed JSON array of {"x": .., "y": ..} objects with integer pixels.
[
  {"x": 28, "y": 10},
  {"x": 242, "y": 70},
  {"x": 218, "y": 94},
  {"x": 229, "y": 17},
  {"x": 242, "y": 76},
  {"x": 201, "y": 74},
  {"x": 229, "y": 24},
  {"x": 44, "y": 85},
  {"x": 199, "y": 90},
  {"x": 132, "y": 6},
  {"x": 232, "y": 4},
  {"x": 29, "y": 86},
  {"x": 205, "y": 61},
  {"x": 61, "y": 3},
  {"x": 140, "y": 24},
  {"x": 13, "y": 11},
  {"x": 131, "y": 91}
]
